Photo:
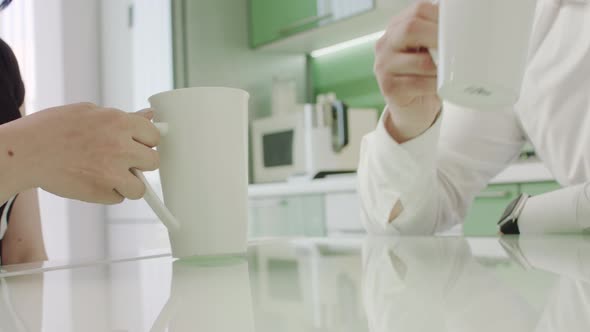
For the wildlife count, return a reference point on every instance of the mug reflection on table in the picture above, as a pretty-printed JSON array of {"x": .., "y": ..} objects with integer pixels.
[
  {"x": 21, "y": 303},
  {"x": 208, "y": 295}
]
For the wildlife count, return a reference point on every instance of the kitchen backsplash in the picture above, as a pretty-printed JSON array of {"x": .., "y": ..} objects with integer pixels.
[{"x": 348, "y": 73}]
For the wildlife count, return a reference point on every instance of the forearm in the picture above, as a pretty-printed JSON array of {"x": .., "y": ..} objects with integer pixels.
[
  {"x": 16, "y": 159},
  {"x": 23, "y": 241}
]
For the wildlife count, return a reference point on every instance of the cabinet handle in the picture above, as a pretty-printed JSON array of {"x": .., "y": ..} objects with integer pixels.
[
  {"x": 268, "y": 203},
  {"x": 308, "y": 20},
  {"x": 130, "y": 16},
  {"x": 494, "y": 194}
]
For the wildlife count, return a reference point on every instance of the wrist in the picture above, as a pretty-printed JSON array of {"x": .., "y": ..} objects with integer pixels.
[{"x": 404, "y": 125}]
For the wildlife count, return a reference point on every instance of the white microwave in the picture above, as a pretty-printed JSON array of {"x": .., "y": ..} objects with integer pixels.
[{"x": 312, "y": 141}]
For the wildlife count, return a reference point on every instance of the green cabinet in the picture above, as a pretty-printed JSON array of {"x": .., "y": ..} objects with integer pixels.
[
  {"x": 489, "y": 205},
  {"x": 487, "y": 209},
  {"x": 536, "y": 188},
  {"x": 298, "y": 215},
  {"x": 350, "y": 75},
  {"x": 271, "y": 20}
]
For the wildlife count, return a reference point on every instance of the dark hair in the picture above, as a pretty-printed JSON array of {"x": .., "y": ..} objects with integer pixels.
[{"x": 5, "y": 4}]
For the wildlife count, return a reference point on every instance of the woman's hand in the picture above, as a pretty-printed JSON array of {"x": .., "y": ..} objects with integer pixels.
[
  {"x": 85, "y": 152},
  {"x": 406, "y": 72}
]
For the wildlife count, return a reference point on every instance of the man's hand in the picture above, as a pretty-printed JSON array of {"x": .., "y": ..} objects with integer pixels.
[
  {"x": 85, "y": 152},
  {"x": 406, "y": 72}
]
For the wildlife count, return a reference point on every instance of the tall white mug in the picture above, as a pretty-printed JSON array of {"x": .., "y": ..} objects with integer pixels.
[
  {"x": 482, "y": 51},
  {"x": 203, "y": 169}
]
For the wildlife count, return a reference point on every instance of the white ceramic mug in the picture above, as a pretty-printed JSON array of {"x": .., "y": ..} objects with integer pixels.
[
  {"x": 482, "y": 51},
  {"x": 203, "y": 169}
]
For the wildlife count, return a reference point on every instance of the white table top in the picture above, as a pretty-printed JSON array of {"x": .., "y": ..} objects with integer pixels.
[{"x": 374, "y": 284}]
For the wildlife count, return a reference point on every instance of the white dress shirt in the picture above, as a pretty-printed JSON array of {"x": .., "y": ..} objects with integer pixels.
[{"x": 436, "y": 175}]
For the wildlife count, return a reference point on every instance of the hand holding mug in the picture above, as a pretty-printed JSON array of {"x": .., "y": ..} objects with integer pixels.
[
  {"x": 406, "y": 72},
  {"x": 479, "y": 53},
  {"x": 83, "y": 151}
]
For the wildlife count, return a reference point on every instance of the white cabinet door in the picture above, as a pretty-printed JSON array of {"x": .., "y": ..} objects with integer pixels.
[{"x": 136, "y": 51}]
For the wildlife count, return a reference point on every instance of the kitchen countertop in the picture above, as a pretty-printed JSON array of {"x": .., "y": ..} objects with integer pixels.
[
  {"x": 356, "y": 284},
  {"x": 526, "y": 171}
]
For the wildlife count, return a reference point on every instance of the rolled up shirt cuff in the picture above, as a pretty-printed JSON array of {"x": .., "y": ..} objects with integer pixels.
[
  {"x": 421, "y": 149},
  {"x": 393, "y": 172}
]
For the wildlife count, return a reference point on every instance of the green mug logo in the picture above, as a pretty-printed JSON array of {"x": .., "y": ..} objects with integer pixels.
[{"x": 478, "y": 90}]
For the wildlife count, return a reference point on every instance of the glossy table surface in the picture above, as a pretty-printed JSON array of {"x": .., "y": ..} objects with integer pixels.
[{"x": 356, "y": 284}]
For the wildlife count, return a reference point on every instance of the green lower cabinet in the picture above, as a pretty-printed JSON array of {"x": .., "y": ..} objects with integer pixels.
[
  {"x": 287, "y": 216},
  {"x": 487, "y": 208},
  {"x": 537, "y": 188},
  {"x": 490, "y": 204}
]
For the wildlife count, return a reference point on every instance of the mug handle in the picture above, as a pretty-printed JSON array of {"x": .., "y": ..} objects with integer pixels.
[
  {"x": 434, "y": 55},
  {"x": 152, "y": 198}
]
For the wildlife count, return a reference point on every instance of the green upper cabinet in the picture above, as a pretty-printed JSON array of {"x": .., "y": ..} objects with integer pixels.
[
  {"x": 490, "y": 204},
  {"x": 538, "y": 188},
  {"x": 349, "y": 74},
  {"x": 274, "y": 20},
  {"x": 271, "y": 20}
]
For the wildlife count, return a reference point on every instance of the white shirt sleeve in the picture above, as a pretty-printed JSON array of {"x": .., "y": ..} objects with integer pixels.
[{"x": 436, "y": 175}]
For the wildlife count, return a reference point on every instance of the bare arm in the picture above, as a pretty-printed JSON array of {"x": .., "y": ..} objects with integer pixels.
[
  {"x": 78, "y": 151},
  {"x": 23, "y": 241}
]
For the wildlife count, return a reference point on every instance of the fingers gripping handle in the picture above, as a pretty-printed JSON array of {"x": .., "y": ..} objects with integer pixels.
[
  {"x": 152, "y": 198},
  {"x": 162, "y": 127}
]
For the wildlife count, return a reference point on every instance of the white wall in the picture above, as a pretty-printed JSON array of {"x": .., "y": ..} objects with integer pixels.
[
  {"x": 81, "y": 50},
  {"x": 117, "y": 66},
  {"x": 67, "y": 71}
]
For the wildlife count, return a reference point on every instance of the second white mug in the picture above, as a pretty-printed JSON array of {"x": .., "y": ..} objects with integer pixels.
[{"x": 482, "y": 52}]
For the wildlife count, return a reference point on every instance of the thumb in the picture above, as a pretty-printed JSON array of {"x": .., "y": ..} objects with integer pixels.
[{"x": 147, "y": 113}]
